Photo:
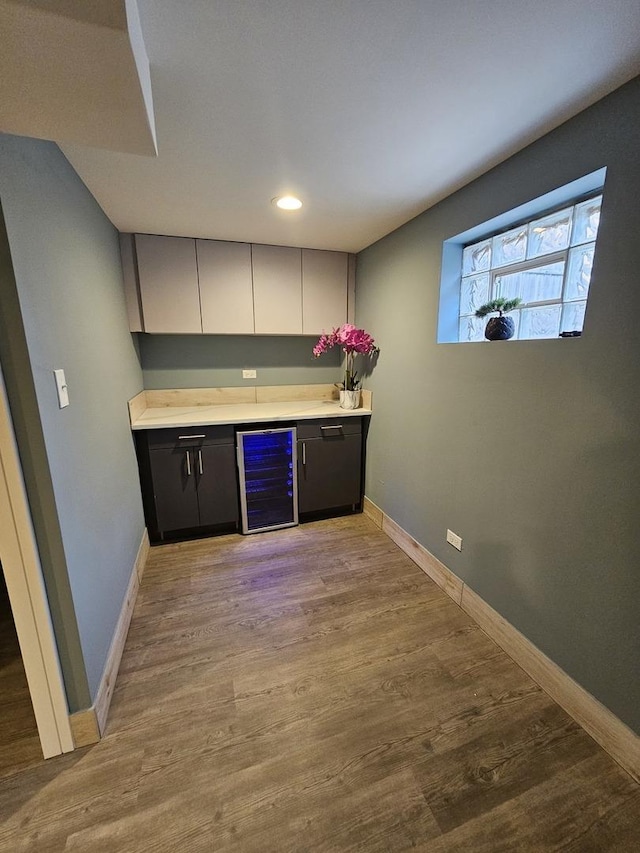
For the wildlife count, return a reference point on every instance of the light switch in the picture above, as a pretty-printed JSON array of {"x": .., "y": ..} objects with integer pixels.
[{"x": 61, "y": 385}]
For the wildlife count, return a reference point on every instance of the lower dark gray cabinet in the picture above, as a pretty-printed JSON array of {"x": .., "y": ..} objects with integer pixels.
[
  {"x": 330, "y": 464},
  {"x": 217, "y": 486},
  {"x": 189, "y": 479}
]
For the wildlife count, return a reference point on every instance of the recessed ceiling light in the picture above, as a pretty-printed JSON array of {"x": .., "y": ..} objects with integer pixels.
[{"x": 287, "y": 202}]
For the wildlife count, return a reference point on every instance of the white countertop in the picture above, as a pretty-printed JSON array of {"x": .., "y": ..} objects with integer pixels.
[{"x": 240, "y": 413}]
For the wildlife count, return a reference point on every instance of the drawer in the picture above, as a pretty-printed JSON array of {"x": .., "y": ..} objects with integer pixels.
[
  {"x": 329, "y": 427},
  {"x": 190, "y": 436}
]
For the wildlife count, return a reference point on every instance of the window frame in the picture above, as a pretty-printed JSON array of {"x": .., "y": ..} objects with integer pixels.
[
  {"x": 568, "y": 196},
  {"x": 537, "y": 262}
]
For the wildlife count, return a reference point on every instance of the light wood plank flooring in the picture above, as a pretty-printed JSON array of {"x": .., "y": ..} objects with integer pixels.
[{"x": 312, "y": 690}]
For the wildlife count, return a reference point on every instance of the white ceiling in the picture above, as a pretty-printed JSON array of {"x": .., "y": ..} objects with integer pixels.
[
  {"x": 76, "y": 71},
  {"x": 369, "y": 110}
]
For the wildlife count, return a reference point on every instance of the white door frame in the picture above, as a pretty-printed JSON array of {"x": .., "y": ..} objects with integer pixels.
[{"x": 23, "y": 574}]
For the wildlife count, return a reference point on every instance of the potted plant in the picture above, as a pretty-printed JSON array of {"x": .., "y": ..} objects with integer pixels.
[
  {"x": 499, "y": 328},
  {"x": 352, "y": 341}
]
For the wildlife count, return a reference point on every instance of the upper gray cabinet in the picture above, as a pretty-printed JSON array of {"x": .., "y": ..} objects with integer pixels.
[
  {"x": 130, "y": 281},
  {"x": 277, "y": 290},
  {"x": 226, "y": 287},
  {"x": 168, "y": 279},
  {"x": 192, "y": 286},
  {"x": 324, "y": 290}
]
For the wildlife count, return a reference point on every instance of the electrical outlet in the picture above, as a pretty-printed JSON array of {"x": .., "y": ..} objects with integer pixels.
[
  {"x": 249, "y": 374},
  {"x": 454, "y": 539}
]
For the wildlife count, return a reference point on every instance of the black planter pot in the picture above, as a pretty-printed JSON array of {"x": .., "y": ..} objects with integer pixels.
[{"x": 500, "y": 329}]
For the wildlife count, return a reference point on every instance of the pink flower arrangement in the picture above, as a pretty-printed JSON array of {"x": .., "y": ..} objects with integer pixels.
[{"x": 352, "y": 341}]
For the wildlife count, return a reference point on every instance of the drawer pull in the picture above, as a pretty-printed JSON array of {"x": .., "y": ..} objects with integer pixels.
[
  {"x": 332, "y": 426},
  {"x": 183, "y": 437}
]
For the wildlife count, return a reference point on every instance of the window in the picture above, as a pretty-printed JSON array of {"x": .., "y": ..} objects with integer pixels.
[{"x": 546, "y": 262}]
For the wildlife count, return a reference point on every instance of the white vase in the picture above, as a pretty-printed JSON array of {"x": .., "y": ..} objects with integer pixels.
[{"x": 349, "y": 399}]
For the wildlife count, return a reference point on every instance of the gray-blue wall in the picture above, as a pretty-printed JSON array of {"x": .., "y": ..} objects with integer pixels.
[
  {"x": 63, "y": 306},
  {"x": 528, "y": 450},
  {"x": 203, "y": 361}
]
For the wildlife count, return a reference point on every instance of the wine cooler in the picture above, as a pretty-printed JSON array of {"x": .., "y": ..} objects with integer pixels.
[{"x": 267, "y": 463}]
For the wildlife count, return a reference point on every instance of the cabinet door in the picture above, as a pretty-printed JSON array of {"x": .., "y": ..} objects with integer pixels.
[
  {"x": 329, "y": 472},
  {"x": 168, "y": 276},
  {"x": 226, "y": 287},
  {"x": 174, "y": 488},
  {"x": 130, "y": 281},
  {"x": 324, "y": 290},
  {"x": 277, "y": 290},
  {"x": 217, "y": 484}
]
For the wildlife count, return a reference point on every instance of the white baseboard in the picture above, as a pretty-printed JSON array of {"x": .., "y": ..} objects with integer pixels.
[
  {"x": 84, "y": 727},
  {"x": 373, "y": 512},
  {"x": 89, "y": 725},
  {"x": 614, "y": 736}
]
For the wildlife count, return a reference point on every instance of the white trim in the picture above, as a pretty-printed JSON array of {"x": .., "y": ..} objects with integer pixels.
[
  {"x": 89, "y": 725},
  {"x": 108, "y": 681},
  {"x": 27, "y": 594},
  {"x": 614, "y": 736},
  {"x": 84, "y": 726}
]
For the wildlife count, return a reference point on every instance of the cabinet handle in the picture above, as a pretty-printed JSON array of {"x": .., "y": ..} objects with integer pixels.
[
  {"x": 183, "y": 437},
  {"x": 200, "y": 469},
  {"x": 304, "y": 453},
  {"x": 188, "y": 463},
  {"x": 332, "y": 426}
]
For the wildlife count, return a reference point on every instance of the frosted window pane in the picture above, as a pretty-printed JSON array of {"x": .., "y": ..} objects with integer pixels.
[
  {"x": 471, "y": 329},
  {"x": 586, "y": 220},
  {"x": 579, "y": 275},
  {"x": 573, "y": 317},
  {"x": 476, "y": 258},
  {"x": 546, "y": 263},
  {"x": 543, "y": 322},
  {"x": 510, "y": 248},
  {"x": 538, "y": 284},
  {"x": 549, "y": 234},
  {"x": 474, "y": 292}
]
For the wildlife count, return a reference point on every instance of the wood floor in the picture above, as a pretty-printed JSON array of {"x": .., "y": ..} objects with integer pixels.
[
  {"x": 311, "y": 690},
  {"x": 19, "y": 741}
]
